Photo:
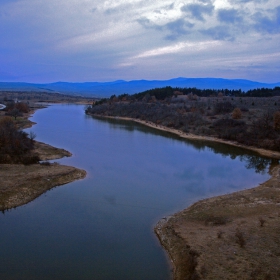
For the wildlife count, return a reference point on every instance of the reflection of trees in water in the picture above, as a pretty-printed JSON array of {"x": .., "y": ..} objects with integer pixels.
[
  {"x": 252, "y": 159},
  {"x": 254, "y": 162}
]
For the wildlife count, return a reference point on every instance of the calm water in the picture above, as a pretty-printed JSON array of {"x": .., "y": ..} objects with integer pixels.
[{"x": 102, "y": 227}]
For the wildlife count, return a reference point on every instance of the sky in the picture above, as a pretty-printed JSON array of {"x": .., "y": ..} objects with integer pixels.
[{"x": 89, "y": 40}]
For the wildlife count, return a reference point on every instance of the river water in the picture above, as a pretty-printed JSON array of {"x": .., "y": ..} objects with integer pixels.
[{"x": 102, "y": 227}]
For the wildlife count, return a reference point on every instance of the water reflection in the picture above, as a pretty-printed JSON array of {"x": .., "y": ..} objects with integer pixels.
[{"x": 252, "y": 160}]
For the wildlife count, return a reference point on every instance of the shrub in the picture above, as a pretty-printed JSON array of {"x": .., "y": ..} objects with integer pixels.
[
  {"x": 229, "y": 128},
  {"x": 240, "y": 240},
  {"x": 219, "y": 234},
  {"x": 262, "y": 221},
  {"x": 22, "y": 107},
  {"x": 223, "y": 107},
  {"x": 216, "y": 220},
  {"x": 276, "y": 120},
  {"x": 15, "y": 144},
  {"x": 45, "y": 163},
  {"x": 236, "y": 114},
  {"x": 29, "y": 159}
]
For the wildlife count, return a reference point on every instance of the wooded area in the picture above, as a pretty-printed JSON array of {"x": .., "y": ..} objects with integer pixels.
[{"x": 251, "y": 118}]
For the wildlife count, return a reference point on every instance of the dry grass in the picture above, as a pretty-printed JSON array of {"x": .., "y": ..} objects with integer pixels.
[{"x": 241, "y": 245}]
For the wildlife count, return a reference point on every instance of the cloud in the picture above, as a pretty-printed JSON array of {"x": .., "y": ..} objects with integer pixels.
[
  {"x": 268, "y": 24},
  {"x": 93, "y": 37},
  {"x": 161, "y": 51},
  {"x": 247, "y": 1},
  {"x": 190, "y": 47},
  {"x": 218, "y": 33},
  {"x": 178, "y": 28},
  {"x": 229, "y": 16},
  {"x": 198, "y": 11}
]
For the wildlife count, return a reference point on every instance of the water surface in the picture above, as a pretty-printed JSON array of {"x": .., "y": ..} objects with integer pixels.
[{"x": 102, "y": 227}]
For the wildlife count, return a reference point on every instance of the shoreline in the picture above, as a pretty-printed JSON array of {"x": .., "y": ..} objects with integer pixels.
[
  {"x": 21, "y": 184},
  {"x": 263, "y": 152},
  {"x": 222, "y": 237}
]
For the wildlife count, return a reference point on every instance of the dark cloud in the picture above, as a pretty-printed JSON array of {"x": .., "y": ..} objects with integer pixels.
[
  {"x": 198, "y": 11},
  {"x": 111, "y": 11},
  {"x": 229, "y": 16},
  {"x": 146, "y": 23},
  {"x": 178, "y": 28},
  {"x": 175, "y": 28},
  {"x": 218, "y": 33},
  {"x": 265, "y": 24}
]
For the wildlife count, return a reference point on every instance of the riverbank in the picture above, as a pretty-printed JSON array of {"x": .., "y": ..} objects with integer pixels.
[
  {"x": 263, "y": 152},
  {"x": 21, "y": 184},
  {"x": 233, "y": 236}
]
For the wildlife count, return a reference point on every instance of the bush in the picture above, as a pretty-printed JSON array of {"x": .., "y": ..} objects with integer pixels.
[
  {"x": 276, "y": 120},
  {"x": 240, "y": 240},
  {"x": 223, "y": 107},
  {"x": 15, "y": 145},
  {"x": 29, "y": 159},
  {"x": 236, "y": 114},
  {"x": 22, "y": 107},
  {"x": 229, "y": 128},
  {"x": 45, "y": 163}
]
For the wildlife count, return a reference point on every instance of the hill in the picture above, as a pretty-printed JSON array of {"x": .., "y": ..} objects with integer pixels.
[{"x": 106, "y": 89}]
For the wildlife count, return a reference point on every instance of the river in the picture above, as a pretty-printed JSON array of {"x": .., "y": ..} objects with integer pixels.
[{"x": 102, "y": 227}]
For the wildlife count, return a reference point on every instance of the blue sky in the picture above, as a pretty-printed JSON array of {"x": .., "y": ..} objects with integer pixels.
[{"x": 90, "y": 40}]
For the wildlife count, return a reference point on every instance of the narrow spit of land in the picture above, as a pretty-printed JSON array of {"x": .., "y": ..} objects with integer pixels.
[
  {"x": 234, "y": 236},
  {"x": 21, "y": 183}
]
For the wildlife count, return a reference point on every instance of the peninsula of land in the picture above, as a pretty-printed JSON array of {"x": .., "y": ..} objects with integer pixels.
[{"x": 21, "y": 183}]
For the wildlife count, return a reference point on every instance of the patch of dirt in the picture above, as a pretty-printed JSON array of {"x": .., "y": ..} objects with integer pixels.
[{"x": 234, "y": 236}]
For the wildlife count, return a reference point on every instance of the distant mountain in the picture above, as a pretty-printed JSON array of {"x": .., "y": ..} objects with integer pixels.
[{"x": 106, "y": 89}]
